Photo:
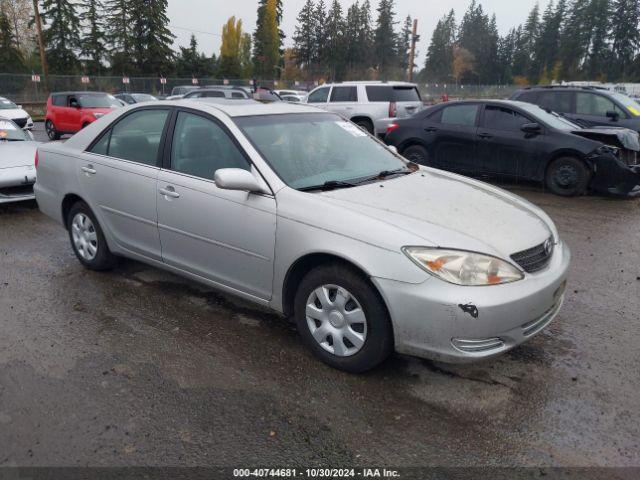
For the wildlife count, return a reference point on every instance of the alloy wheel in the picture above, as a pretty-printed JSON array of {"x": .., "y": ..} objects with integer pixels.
[{"x": 336, "y": 320}]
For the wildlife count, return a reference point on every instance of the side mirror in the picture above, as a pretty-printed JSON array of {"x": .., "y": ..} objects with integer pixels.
[
  {"x": 237, "y": 179},
  {"x": 531, "y": 128},
  {"x": 614, "y": 116},
  {"x": 392, "y": 149}
]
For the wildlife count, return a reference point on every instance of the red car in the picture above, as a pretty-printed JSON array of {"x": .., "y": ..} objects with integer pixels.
[{"x": 70, "y": 112}]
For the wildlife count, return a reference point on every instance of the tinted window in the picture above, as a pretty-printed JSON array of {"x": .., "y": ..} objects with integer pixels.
[
  {"x": 102, "y": 147},
  {"x": 459, "y": 115},
  {"x": 527, "y": 97},
  {"x": 597, "y": 105},
  {"x": 137, "y": 136},
  {"x": 238, "y": 95},
  {"x": 344, "y": 94},
  {"x": 406, "y": 94},
  {"x": 60, "y": 100},
  {"x": 319, "y": 96},
  {"x": 380, "y": 94},
  {"x": 200, "y": 147},
  {"x": 213, "y": 94},
  {"x": 555, "y": 101},
  {"x": 499, "y": 118}
]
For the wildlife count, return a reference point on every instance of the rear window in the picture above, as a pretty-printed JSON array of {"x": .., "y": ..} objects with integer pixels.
[{"x": 384, "y": 93}]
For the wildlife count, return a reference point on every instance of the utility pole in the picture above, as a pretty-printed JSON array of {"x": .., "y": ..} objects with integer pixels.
[
  {"x": 415, "y": 38},
  {"x": 43, "y": 60}
]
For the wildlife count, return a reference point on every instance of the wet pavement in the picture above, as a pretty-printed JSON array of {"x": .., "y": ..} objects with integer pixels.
[{"x": 139, "y": 367}]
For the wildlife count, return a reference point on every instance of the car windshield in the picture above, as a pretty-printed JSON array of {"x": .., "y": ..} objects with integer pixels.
[
  {"x": 10, "y": 132},
  {"x": 552, "y": 119},
  {"x": 629, "y": 103},
  {"x": 98, "y": 101},
  {"x": 308, "y": 150},
  {"x": 7, "y": 104},
  {"x": 143, "y": 97}
]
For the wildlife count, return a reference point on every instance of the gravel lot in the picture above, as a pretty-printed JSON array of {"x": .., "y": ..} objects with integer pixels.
[{"x": 139, "y": 367}]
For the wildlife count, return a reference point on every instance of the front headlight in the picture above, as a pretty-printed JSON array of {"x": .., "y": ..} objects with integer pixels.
[
  {"x": 463, "y": 268},
  {"x": 605, "y": 149}
]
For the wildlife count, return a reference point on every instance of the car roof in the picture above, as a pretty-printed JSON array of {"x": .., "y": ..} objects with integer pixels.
[
  {"x": 79, "y": 92},
  {"x": 568, "y": 87},
  {"x": 506, "y": 103},
  {"x": 244, "y": 108}
]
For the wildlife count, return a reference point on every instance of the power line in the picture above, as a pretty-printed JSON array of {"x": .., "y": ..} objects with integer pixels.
[{"x": 196, "y": 31}]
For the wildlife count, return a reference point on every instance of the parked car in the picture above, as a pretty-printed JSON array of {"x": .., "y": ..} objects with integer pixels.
[
  {"x": 302, "y": 95},
  {"x": 14, "y": 112},
  {"x": 180, "y": 91},
  {"x": 230, "y": 93},
  {"x": 17, "y": 170},
  {"x": 131, "y": 98},
  {"x": 266, "y": 95},
  {"x": 292, "y": 98},
  {"x": 370, "y": 105},
  {"x": 587, "y": 106},
  {"x": 70, "y": 112},
  {"x": 520, "y": 141},
  {"x": 298, "y": 210}
]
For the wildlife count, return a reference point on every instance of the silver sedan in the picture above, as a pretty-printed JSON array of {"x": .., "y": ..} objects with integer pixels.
[
  {"x": 295, "y": 209},
  {"x": 17, "y": 163}
]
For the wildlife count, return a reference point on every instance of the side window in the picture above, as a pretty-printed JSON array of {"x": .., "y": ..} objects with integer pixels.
[
  {"x": 59, "y": 100},
  {"x": 200, "y": 147},
  {"x": 213, "y": 94},
  {"x": 102, "y": 146},
  {"x": 464, "y": 115},
  {"x": 137, "y": 136},
  {"x": 344, "y": 94},
  {"x": 499, "y": 118},
  {"x": 237, "y": 95},
  {"x": 556, "y": 101},
  {"x": 319, "y": 96},
  {"x": 597, "y": 105}
]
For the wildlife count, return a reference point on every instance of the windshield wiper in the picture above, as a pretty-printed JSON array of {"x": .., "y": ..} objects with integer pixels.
[
  {"x": 330, "y": 185},
  {"x": 385, "y": 174}
]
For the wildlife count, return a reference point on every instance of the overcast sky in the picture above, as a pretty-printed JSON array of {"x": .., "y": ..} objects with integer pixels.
[{"x": 205, "y": 17}]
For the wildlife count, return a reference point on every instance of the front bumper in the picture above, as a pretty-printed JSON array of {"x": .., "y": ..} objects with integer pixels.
[
  {"x": 455, "y": 324},
  {"x": 16, "y": 184},
  {"x": 612, "y": 176}
]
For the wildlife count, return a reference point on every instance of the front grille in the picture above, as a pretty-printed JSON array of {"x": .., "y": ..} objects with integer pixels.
[
  {"x": 21, "y": 122},
  {"x": 629, "y": 157},
  {"x": 536, "y": 258}
]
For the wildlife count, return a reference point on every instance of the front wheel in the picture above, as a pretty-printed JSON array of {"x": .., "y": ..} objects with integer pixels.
[
  {"x": 417, "y": 154},
  {"x": 52, "y": 133},
  {"x": 567, "y": 176},
  {"x": 87, "y": 239},
  {"x": 342, "y": 319}
]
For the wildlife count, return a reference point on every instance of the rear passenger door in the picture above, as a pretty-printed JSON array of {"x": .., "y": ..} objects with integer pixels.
[
  {"x": 452, "y": 134},
  {"x": 343, "y": 101},
  {"x": 225, "y": 236},
  {"x": 118, "y": 175}
]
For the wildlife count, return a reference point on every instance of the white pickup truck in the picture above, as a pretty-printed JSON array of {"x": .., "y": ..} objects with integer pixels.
[{"x": 370, "y": 105}]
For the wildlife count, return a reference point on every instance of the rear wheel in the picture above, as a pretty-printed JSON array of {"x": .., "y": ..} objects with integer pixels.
[
  {"x": 87, "y": 239},
  {"x": 567, "y": 176},
  {"x": 342, "y": 319},
  {"x": 417, "y": 154},
  {"x": 52, "y": 133},
  {"x": 365, "y": 124}
]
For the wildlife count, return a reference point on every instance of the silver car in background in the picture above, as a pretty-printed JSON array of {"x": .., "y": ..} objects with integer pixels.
[
  {"x": 17, "y": 163},
  {"x": 298, "y": 210},
  {"x": 370, "y": 105}
]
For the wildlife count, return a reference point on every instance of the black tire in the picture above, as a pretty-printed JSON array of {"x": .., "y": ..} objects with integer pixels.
[
  {"x": 378, "y": 343},
  {"x": 365, "y": 124},
  {"x": 51, "y": 130},
  {"x": 103, "y": 259},
  {"x": 568, "y": 177},
  {"x": 417, "y": 154}
]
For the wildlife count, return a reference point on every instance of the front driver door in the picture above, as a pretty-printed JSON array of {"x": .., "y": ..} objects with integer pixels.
[
  {"x": 225, "y": 236},
  {"x": 503, "y": 148},
  {"x": 452, "y": 131}
]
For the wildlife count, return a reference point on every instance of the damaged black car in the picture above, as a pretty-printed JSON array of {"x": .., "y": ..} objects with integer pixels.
[{"x": 520, "y": 141}]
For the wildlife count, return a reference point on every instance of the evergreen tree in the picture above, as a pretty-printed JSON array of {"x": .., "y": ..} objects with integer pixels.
[
  {"x": 335, "y": 41},
  {"x": 267, "y": 39},
  {"x": 351, "y": 34},
  {"x": 320, "y": 39},
  {"x": 478, "y": 35},
  {"x": 386, "y": 39},
  {"x": 599, "y": 51},
  {"x": 625, "y": 36},
  {"x": 120, "y": 38},
  {"x": 61, "y": 35},
  {"x": 191, "y": 63},
  {"x": 548, "y": 42},
  {"x": 404, "y": 43},
  {"x": 575, "y": 39},
  {"x": 11, "y": 60},
  {"x": 153, "y": 52},
  {"x": 365, "y": 39},
  {"x": 304, "y": 36},
  {"x": 439, "y": 64},
  {"x": 93, "y": 42},
  {"x": 506, "y": 53}
]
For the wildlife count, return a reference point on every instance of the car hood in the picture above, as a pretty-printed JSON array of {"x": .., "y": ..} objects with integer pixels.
[
  {"x": 13, "y": 113},
  {"x": 616, "y": 136},
  {"x": 449, "y": 211},
  {"x": 17, "y": 154}
]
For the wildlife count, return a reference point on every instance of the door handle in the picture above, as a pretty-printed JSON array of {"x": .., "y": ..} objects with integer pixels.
[
  {"x": 485, "y": 136},
  {"x": 431, "y": 129},
  {"x": 169, "y": 192},
  {"x": 89, "y": 170}
]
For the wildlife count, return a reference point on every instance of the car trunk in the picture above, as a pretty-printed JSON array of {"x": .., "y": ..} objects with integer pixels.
[{"x": 408, "y": 101}]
